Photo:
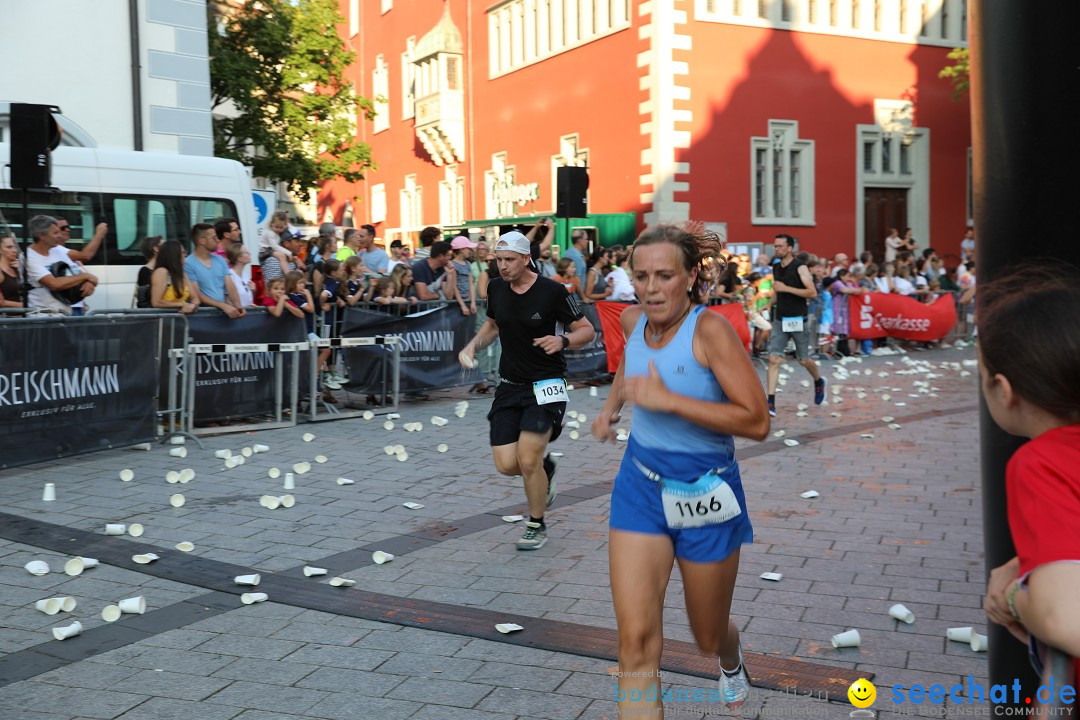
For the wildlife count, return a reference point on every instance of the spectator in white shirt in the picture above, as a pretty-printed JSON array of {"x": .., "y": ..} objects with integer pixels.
[{"x": 57, "y": 281}]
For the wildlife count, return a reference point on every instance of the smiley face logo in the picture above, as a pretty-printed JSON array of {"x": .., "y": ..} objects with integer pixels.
[{"x": 862, "y": 693}]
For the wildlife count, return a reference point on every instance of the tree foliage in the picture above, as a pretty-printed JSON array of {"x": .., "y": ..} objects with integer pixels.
[
  {"x": 277, "y": 77},
  {"x": 959, "y": 72}
]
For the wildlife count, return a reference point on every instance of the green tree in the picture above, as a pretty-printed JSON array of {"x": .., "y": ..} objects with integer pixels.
[
  {"x": 277, "y": 75},
  {"x": 959, "y": 72}
]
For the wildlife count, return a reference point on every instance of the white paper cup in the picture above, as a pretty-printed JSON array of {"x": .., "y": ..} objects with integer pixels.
[
  {"x": 115, "y": 528},
  {"x": 573, "y": 424},
  {"x": 773, "y": 576},
  {"x": 321, "y": 459},
  {"x": 37, "y": 567},
  {"x": 849, "y": 638},
  {"x": 270, "y": 502},
  {"x": 574, "y": 434},
  {"x": 393, "y": 416},
  {"x": 345, "y": 481},
  {"x": 959, "y": 634},
  {"x": 186, "y": 476},
  {"x": 287, "y": 501},
  {"x": 290, "y": 482},
  {"x": 368, "y": 415},
  {"x": 177, "y": 440},
  {"x": 412, "y": 505},
  {"x": 274, "y": 473},
  {"x": 252, "y": 598},
  {"x": 172, "y": 477},
  {"x": 260, "y": 448},
  {"x": 442, "y": 447},
  {"x": 140, "y": 446},
  {"x": 379, "y": 557},
  {"x": 223, "y": 454},
  {"x": 49, "y": 606},
  {"x": 145, "y": 558},
  {"x": 592, "y": 392},
  {"x": 582, "y": 418},
  {"x": 506, "y": 628},
  {"x": 136, "y": 530},
  {"x": 979, "y": 642},
  {"x": 791, "y": 442},
  {"x": 177, "y": 500},
  {"x": 180, "y": 452},
  {"x": 342, "y": 582},
  {"x": 301, "y": 467},
  {"x": 388, "y": 425},
  {"x": 402, "y": 456},
  {"x": 308, "y": 437},
  {"x": 310, "y": 571},
  {"x": 901, "y": 613},
  {"x": 74, "y": 566},
  {"x": 252, "y": 579},
  {"x": 810, "y": 494},
  {"x": 133, "y": 605},
  {"x": 111, "y": 613},
  {"x": 185, "y": 546},
  {"x": 67, "y": 631},
  {"x": 247, "y": 452},
  {"x": 127, "y": 475},
  {"x": 231, "y": 462},
  {"x": 48, "y": 493},
  {"x": 438, "y": 421}
]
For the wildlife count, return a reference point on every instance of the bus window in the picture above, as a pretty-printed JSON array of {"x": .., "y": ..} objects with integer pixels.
[
  {"x": 134, "y": 218},
  {"x": 76, "y": 208}
]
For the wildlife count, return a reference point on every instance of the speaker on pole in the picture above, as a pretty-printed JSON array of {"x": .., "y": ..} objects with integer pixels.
[
  {"x": 34, "y": 135},
  {"x": 571, "y": 199}
]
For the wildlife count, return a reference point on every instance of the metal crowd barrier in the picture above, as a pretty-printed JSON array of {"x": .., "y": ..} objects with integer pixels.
[{"x": 332, "y": 412}]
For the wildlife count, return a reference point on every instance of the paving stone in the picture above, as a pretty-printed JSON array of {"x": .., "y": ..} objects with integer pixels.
[
  {"x": 260, "y": 696},
  {"x": 534, "y": 704},
  {"x": 341, "y": 706},
  {"x": 406, "y": 663},
  {"x": 246, "y": 646},
  {"x": 441, "y": 692},
  {"x": 351, "y": 658}
]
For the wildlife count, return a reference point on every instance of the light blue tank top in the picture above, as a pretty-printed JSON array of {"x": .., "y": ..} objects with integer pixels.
[{"x": 684, "y": 375}]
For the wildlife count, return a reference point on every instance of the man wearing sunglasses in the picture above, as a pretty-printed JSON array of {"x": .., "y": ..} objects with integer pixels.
[{"x": 48, "y": 256}]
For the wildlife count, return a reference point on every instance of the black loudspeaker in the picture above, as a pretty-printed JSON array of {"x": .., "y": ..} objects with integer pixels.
[
  {"x": 571, "y": 200},
  {"x": 34, "y": 135}
]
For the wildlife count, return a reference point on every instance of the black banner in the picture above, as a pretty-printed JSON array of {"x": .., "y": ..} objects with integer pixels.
[
  {"x": 239, "y": 385},
  {"x": 430, "y": 342},
  {"x": 590, "y": 361},
  {"x": 75, "y": 385}
]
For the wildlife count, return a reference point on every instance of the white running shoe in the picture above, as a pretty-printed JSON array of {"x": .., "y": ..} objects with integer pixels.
[
  {"x": 734, "y": 689},
  {"x": 534, "y": 538}
]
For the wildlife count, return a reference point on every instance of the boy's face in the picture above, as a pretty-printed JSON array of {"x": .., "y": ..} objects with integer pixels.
[{"x": 277, "y": 290}]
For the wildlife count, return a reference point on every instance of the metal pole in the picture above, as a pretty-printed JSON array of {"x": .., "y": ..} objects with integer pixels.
[{"x": 1023, "y": 86}]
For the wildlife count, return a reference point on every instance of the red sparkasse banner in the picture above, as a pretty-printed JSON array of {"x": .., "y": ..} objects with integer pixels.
[
  {"x": 876, "y": 315},
  {"x": 613, "y": 337}
]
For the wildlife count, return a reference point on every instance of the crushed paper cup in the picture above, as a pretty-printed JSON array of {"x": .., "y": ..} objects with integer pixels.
[
  {"x": 810, "y": 494},
  {"x": 274, "y": 473},
  {"x": 393, "y": 416},
  {"x": 442, "y": 447},
  {"x": 111, "y": 613},
  {"x": 505, "y": 628},
  {"x": 145, "y": 558},
  {"x": 252, "y": 579},
  {"x": 959, "y": 634},
  {"x": 177, "y": 500},
  {"x": 321, "y": 459},
  {"x": 388, "y": 425},
  {"x": 463, "y": 404},
  {"x": 48, "y": 493},
  {"x": 459, "y": 413},
  {"x": 513, "y": 518},
  {"x": 127, "y": 475},
  {"x": 802, "y": 413},
  {"x": 186, "y": 476},
  {"x": 849, "y": 638},
  {"x": 342, "y": 582},
  {"x": 115, "y": 528},
  {"x": 413, "y": 505},
  {"x": 791, "y": 442},
  {"x": 223, "y": 454},
  {"x": 622, "y": 436},
  {"x": 780, "y": 433},
  {"x": 886, "y": 397},
  {"x": 270, "y": 502},
  {"x": 308, "y": 437},
  {"x": 177, "y": 440},
  {"x": 180, "y": 452},
  {"x": 368, "y": 415},
  {"x": 133, "y": 605},
  {"x": 260, "y": 448},
  {"x": 775, "y": 577},
  {"x": 301, "y": 467},
  {"x": 379, "y": 557},
  {"x": 310, "y": 571},
  {"x": 979, "y": 643},
  {"x": 901, "y": 613},
  {"x": 246, "y": 452},
  {"x": 438, "y": 421},
  {"x": 185, "y": 546},
  {"x": 252, "y": 598},
  {"x": 67, "y": 631},
  {"x": 287, "y": 501},
  {"x": 136, "y": 530},
  {"x": 900, "y": 404},
  {"x": 345, "y": 481},
  {"x": 894, "y": 426},
  {"x": 802, "y": 406},
  {"x": 887, "y": 419},
  {"x": 172, "y": 477},
  {"x": 861, "y": 396},
  {"x": 867, "y": 436}
]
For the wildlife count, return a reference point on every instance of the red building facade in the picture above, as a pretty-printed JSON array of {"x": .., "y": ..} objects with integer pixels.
[{"x": 822, "y": 118}]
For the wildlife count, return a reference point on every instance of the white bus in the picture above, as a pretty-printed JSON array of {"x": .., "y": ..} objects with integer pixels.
[{"x": 139, "y": 194}]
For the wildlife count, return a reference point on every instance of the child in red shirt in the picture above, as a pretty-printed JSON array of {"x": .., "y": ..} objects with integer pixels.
[{"x": 1029, "y": 362}]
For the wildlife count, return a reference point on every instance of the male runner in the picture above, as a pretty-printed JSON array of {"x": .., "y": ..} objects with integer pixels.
[{"x": 526, "y": 312}]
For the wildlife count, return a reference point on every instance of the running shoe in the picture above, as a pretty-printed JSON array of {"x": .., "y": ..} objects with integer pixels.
[
  {"x": 734, "y": 689},
  {"x": 549, "y": 468},
  {"x": 534, "y": 538},
  {"x": 819, "y": 391},
  {"x": 772, "y": 408}
]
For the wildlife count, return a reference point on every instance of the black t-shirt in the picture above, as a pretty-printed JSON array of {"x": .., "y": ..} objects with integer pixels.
[
  {"x": 788, "y": 305},
  {"x": 9, "y": 287},
  {"x": 422, "y": 273},
  {"x": 523, "y": 317},
  {"x": 144, "y": 276}
]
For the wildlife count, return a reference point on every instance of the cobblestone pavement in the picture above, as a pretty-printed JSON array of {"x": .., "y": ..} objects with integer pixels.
[{"x": 897, "y": 521}]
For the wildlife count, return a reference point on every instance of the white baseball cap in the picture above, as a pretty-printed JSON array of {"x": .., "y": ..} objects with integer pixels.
[{"x": 513, "y": 241}]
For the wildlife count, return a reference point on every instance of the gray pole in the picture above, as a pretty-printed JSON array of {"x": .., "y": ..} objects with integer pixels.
[{"x": 1025, "y": 99}]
